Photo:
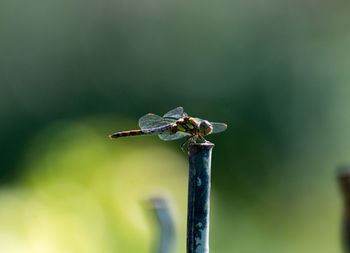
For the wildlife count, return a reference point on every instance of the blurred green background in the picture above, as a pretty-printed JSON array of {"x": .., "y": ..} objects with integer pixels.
[{"x": 72, "y": 72}]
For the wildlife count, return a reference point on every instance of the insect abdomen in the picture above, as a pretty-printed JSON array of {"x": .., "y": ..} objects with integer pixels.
[
  {"x": 158, "y": 130},
  {"x": 127, "y": 133}
]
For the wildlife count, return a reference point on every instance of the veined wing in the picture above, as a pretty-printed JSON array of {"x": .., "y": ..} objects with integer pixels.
[
  {"x": 172, "y": 136},
  {"x": 217, "y": 127},
  {"x": 175, "y": 114},
  {"x": 151, "y": 120}
]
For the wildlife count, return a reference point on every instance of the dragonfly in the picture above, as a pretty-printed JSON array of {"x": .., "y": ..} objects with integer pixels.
[{"x": 175, "y": 124}]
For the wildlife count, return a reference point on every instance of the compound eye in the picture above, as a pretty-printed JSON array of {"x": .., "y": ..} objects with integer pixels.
[
  {"x": 205, "y": 127},
  {"x": 205, "y": 123}
]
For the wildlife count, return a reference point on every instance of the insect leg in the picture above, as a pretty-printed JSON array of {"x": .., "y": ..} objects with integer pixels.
[
  {"x": 202, "y": 138},
  {"x": 183, "y": 144},
  {"x": 191, "y": 140}
]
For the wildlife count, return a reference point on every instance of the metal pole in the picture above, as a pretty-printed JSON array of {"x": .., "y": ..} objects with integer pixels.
[
  {"x": 199, "y": 197},
  {"x": 344, "y": 181}
]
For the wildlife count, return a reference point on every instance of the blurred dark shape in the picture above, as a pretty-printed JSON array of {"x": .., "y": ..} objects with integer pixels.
[
  {"x": 344, "y": 181},
  {"x": 166, "y": 225}
]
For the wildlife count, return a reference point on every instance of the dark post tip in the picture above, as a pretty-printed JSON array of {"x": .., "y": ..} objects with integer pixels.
[{"x": 204, "y": 145}]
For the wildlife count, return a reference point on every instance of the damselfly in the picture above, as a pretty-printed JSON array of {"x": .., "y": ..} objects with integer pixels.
[{"x": 174, "y": 125}]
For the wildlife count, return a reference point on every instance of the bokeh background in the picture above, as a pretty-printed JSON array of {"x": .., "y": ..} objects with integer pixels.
[{"x": 72, "y": 72}]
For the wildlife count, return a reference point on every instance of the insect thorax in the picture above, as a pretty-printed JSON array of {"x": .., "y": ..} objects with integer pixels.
[{"x": 187, "y": 125}]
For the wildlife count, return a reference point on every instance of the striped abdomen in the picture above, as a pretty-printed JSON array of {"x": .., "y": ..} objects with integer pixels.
[{"x": 158, "y": 130}]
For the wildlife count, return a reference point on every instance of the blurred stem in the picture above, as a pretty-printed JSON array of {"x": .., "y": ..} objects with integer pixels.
[
  {"x": 199, "y": 197},
  {"x": 166, "y": 224}
]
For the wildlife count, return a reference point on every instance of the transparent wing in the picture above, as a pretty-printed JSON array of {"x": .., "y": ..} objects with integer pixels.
[
  {"x": 198, "y": 120},
  {"x": 151, "y": 120},
  {"x": 176, "y": 113},
  {"x": 172, "y": 136},
  {"x": 218, "y": 127}
]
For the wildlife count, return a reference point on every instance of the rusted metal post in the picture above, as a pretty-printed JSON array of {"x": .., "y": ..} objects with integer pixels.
[
  {"x": 199, "y": 197},
  {"x": 344, "y": 181}
]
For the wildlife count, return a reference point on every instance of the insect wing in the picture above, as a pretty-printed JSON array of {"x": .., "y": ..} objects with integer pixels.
[
  {"x": 151, "y": 120},
  {"x": 218, "y": 127},
  {"x": 172, "y": 136},
  {"x": 176, "y": 113}
]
